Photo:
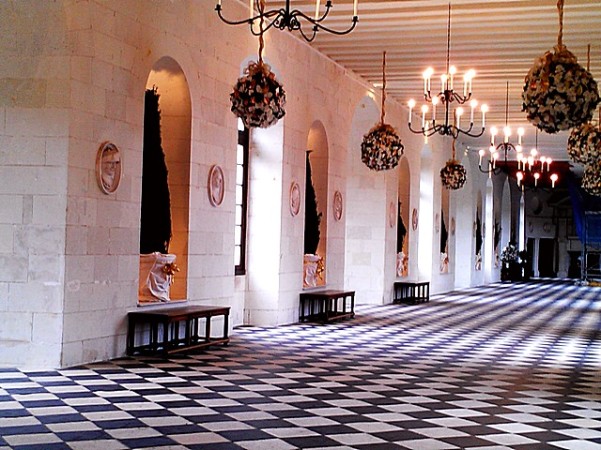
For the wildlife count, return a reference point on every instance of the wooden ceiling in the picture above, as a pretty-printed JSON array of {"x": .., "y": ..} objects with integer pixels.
[{"x": 500, "y": 39}]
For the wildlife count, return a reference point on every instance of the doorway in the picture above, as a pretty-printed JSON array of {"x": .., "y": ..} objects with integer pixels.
[{"x": 546, "y": 258}]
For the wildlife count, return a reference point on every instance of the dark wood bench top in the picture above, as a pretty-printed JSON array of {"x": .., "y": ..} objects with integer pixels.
[
  {"x": 328, "y": 293},
  {"x": 181, "y": 312}
]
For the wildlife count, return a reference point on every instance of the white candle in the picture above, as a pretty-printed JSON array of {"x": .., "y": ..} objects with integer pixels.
[
  {"x": 251, "y": 9},
  {"x": 493, "y": 133},
  {"x": 411, "y": 104},
  {"x": 452, "y": 72},
  {"x": 355, "y": 4},
  {"x": 473, "y": 105},
  {"x": 434, "y": 103},
  {"x": 549, "y": 161},
  {"x": 424, "y": 111},
  {"x": 507, "y": 133},
  {"x": 481, "y": 153},
  {"x": 484, "y": 109},
  {"x": 219, "y": 2},
  {"x": 554, "y": 178},
  {"x": 459, "y": 113},
  {"x": 317, "y": 9}
]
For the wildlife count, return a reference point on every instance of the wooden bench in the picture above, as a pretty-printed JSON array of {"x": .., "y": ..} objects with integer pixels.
[
  {"x": 327, "y": 305},
  {"x": 173, "y": 330},
  {"x": 411, "y": 291}
]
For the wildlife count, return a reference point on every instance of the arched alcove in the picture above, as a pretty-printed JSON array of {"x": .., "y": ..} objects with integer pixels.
[
  {"x": 317, "y": 147},
  {"x": 488, "y": 231},
  {"x": 478, "y": 233},
  {"x": 170, "y": 82},
  {"x": 403, "y": 213},
  {"x": 444, "y": 235}
]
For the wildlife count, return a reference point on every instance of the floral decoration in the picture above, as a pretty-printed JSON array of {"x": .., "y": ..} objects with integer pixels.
[
  {"x": 509, "y": 253},
  {"x": 558, "y": 92},
  {"x": 453, "y": 175},
  {"x": 258, "y": 98},
  {"x": 584, "y": 144},
  {"x": 591, "y": 179},
  {"x": 381, "y": 148}
]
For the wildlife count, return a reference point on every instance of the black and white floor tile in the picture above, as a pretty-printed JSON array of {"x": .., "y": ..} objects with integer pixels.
[{"x": 507, "y": 366}]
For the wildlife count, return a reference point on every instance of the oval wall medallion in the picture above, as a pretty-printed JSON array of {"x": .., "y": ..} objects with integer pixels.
[
  {"x": 414, "y": 219},
  {"x": 391, "y": 215},
  {"x": 337, "y": 205},
  {"x": 452, "y": 226},
  {"x": 108, "y": 167},
  {"x": 216, "y": 185},
  {"x": 295, "y": 198}
]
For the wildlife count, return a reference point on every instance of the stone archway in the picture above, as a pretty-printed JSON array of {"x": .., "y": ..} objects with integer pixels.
[{"x": 175, "y": 105}]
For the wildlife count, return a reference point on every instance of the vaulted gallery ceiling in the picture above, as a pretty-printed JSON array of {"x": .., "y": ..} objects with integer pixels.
[{"x": 500, "y": 39}]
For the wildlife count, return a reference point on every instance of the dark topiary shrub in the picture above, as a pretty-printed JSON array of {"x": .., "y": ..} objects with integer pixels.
[{"x": 155, "y": 221}]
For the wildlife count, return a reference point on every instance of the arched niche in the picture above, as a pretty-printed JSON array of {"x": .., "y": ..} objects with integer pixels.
[
  {"x": 478, "y": 232},
  {"x": 444, "y": 224},
  {"x": 318, "y": 149},
  {"x": 176, "y": 126},
  {"x": 403, "y": 214},
  {"x": 488, "y": 231}
]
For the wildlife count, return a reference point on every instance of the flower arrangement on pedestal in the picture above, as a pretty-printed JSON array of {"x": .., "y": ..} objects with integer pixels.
[
  {"x": 382, "y": 148},
  {"x": 558, "y": 92},
  {"x": 258, "y": 98},
  {"x": 511, "y": 269}
]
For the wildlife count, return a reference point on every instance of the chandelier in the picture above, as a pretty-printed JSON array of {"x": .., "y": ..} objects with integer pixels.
[
  {"x": 526, "y": 169},
  {"x": 291, "y": 19},
  {"x": 450, "y": 126}
]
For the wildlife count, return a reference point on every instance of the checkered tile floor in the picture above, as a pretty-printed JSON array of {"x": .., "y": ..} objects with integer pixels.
[{"x": 501, "y": 367}]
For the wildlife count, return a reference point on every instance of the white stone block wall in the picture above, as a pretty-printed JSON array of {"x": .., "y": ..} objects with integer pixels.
[
  {"x": 34, "y": 129},
  {"x": 73, "y": 76}
]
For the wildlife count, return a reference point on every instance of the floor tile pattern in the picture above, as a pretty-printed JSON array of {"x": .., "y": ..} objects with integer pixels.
[{"x": 507, "y": 366}]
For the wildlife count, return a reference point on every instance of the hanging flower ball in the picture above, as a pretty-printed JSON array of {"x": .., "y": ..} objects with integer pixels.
[
  {"x": 591, "y": 180},
  {"x": 584, "y": 144},
  {"x": 558, "y": 92},
  {"x": 258, "y": 98},
  {"x": 381, "y": 148},
  {"x": 453, "y": 175}
]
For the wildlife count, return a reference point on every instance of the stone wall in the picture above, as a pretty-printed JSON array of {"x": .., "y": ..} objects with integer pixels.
[{"x": 73, "y": 76}]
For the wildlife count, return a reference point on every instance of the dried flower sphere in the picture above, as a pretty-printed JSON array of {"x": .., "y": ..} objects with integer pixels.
[
  {"x": 258, "y": 98},
  {"x": 453, "y": 175},
  {"x": 584, "y": 144},
  {"x": 591, "y": 180},
  {"x": 381, "y": 148},
  {"x": 558, "y": 92}
]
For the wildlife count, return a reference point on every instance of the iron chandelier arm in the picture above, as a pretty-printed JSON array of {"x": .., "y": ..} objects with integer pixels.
[
  {"x": 427, "y": 132},
  {"x": 491, "y": 169},
  {"x": 284, "y": 18},
  {"x": 249, "y": 21}
]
